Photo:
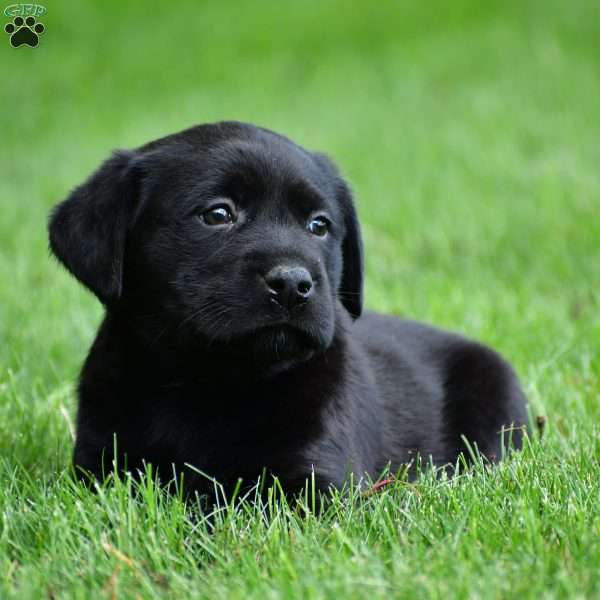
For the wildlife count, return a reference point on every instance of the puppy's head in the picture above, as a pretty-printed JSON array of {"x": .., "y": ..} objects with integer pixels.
[{"x": 225, "y": 236}]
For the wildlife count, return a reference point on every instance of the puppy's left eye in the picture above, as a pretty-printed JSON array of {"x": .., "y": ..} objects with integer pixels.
[
  {"x": 218, "y": 215},
  {"x": 319, "y": 226}
]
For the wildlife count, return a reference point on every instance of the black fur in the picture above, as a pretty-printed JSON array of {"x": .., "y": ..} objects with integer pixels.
[{"x": 197, "y": 363}]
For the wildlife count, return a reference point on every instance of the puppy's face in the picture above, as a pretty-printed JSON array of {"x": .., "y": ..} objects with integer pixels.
[{"x": 225, "y": 236}]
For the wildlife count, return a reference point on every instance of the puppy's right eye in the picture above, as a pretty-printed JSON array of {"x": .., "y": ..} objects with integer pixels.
[{"x": 218, "y": 215}]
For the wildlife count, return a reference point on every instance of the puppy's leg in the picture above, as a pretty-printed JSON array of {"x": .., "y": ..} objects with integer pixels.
[{"x": 483, "y": 401}]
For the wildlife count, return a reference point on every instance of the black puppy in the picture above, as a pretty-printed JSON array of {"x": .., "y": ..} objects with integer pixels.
[{"x": 230, "y": 263}]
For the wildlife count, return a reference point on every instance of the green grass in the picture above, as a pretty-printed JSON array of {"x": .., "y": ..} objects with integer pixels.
[{"x": 470, "y": 132}]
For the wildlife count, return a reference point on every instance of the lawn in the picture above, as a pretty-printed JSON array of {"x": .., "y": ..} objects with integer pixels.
[{"x": 470, "y": 132}]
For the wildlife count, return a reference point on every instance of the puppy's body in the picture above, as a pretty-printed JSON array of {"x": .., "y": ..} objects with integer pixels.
[
  {"x": 387, "y": 392},
  {"x": 230, "y": 263}
]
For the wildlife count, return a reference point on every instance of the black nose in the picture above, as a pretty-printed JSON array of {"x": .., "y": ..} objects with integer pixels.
[{"x": 289, "y": 286}]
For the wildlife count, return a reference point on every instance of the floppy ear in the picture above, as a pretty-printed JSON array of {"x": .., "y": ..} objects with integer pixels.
[
  {"x": 351, "y": 286},
  {"x": 88, "y": 229}
]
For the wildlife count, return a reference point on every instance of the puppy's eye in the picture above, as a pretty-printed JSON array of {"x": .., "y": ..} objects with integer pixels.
[
  {"x": 319, "y": 226},
  {"x": 218, "y": 215}
]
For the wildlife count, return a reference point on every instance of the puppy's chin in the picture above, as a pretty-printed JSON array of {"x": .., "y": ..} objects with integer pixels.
[
  {"x": 269, "y": 351},
  {"x": 277, "y": 349}
]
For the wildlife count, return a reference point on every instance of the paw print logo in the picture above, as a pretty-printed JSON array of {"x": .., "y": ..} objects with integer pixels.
[{"x": 24, "y": 32}]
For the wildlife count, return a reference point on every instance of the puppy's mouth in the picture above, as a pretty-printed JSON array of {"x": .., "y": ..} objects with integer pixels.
[
  {"x": 268, "y": 344},
  {"x": 277, "y": 346},
  {"x": 283, "y": 341},
  {"x": 279, "y": 337}
]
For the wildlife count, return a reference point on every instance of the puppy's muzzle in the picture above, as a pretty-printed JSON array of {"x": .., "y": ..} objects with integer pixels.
[{"x": 289, "y": 286}]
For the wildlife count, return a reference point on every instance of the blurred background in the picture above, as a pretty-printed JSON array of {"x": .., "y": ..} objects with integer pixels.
[{"x": 470, "y": 132}]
